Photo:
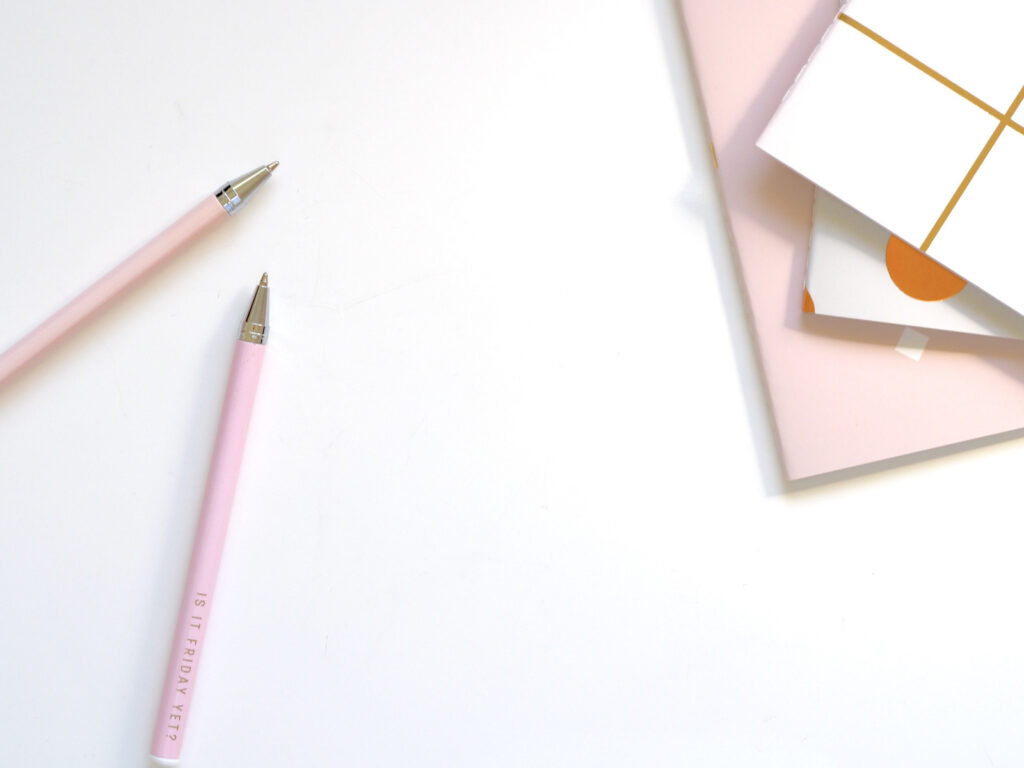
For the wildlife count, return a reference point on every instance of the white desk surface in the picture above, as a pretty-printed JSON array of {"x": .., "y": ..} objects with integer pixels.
[{"x": 510, "y": 497}]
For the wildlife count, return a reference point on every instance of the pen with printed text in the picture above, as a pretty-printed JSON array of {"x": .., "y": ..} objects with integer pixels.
[
  {"x": 194, "y": 613},
  {"x": 214, "y": 209}
]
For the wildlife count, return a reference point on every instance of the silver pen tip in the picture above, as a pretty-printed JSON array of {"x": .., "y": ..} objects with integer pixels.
[
  {"x": 235, "y": 193},
  {"x": 272, "y": 166},
  {"x": 254, "y": 327}
]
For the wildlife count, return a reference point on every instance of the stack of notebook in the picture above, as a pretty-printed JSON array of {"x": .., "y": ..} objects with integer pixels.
[{"x": 870, "y": 164}]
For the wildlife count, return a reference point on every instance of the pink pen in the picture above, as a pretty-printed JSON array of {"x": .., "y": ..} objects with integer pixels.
[
  {"x": 194, "y": 613},
  {"x": 212, "y": 210}
]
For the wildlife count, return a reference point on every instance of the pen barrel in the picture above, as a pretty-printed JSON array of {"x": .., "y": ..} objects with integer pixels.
[
  {"x": 111, "y": 285},
  {"x": 197, "y": 598}
]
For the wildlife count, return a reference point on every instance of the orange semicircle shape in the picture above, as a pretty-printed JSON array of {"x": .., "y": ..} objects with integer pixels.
[{"x": 919, "y": 276}]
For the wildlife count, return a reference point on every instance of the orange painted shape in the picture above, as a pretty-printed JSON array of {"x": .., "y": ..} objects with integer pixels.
[
  {"x": 808, "y": 302},
  {"x": 919, "y": 276}
]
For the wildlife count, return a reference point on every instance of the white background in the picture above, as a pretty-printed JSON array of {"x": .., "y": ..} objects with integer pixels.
[{"x": 510, "y": 496}]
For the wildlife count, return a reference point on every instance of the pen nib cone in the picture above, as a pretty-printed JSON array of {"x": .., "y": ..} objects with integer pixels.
[
  {"x": 272, "y": 166},
  {"x": 254, "y": 328},
  {"x": 237, "y": 192}
]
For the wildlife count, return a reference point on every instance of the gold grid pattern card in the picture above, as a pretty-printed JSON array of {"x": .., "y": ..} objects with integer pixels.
[{"x": 908, "y": 111}]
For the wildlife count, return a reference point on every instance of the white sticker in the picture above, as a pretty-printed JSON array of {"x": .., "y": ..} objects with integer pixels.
[{"x": 912, "y": 344}]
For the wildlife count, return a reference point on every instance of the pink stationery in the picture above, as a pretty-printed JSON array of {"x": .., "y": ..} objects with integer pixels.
[
  {"x": 843, "y": 393},
  {"x": 211, "y": 532},
  {"x": 214, "y": 209}
]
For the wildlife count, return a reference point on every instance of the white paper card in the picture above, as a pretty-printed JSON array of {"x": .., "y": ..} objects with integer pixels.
[
  {"x": 857, "y": 269},
  {"x": 918, "y": 102}
]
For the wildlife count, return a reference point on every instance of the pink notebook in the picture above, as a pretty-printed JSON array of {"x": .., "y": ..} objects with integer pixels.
[{"x": 841, "y": 393}]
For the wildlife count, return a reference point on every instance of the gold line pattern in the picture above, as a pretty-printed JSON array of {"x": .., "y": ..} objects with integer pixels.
[
  {"x": 960, "y": 91},
  {"x": 970, "y": 174},
  {"x": 1005, "y": 120}
]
